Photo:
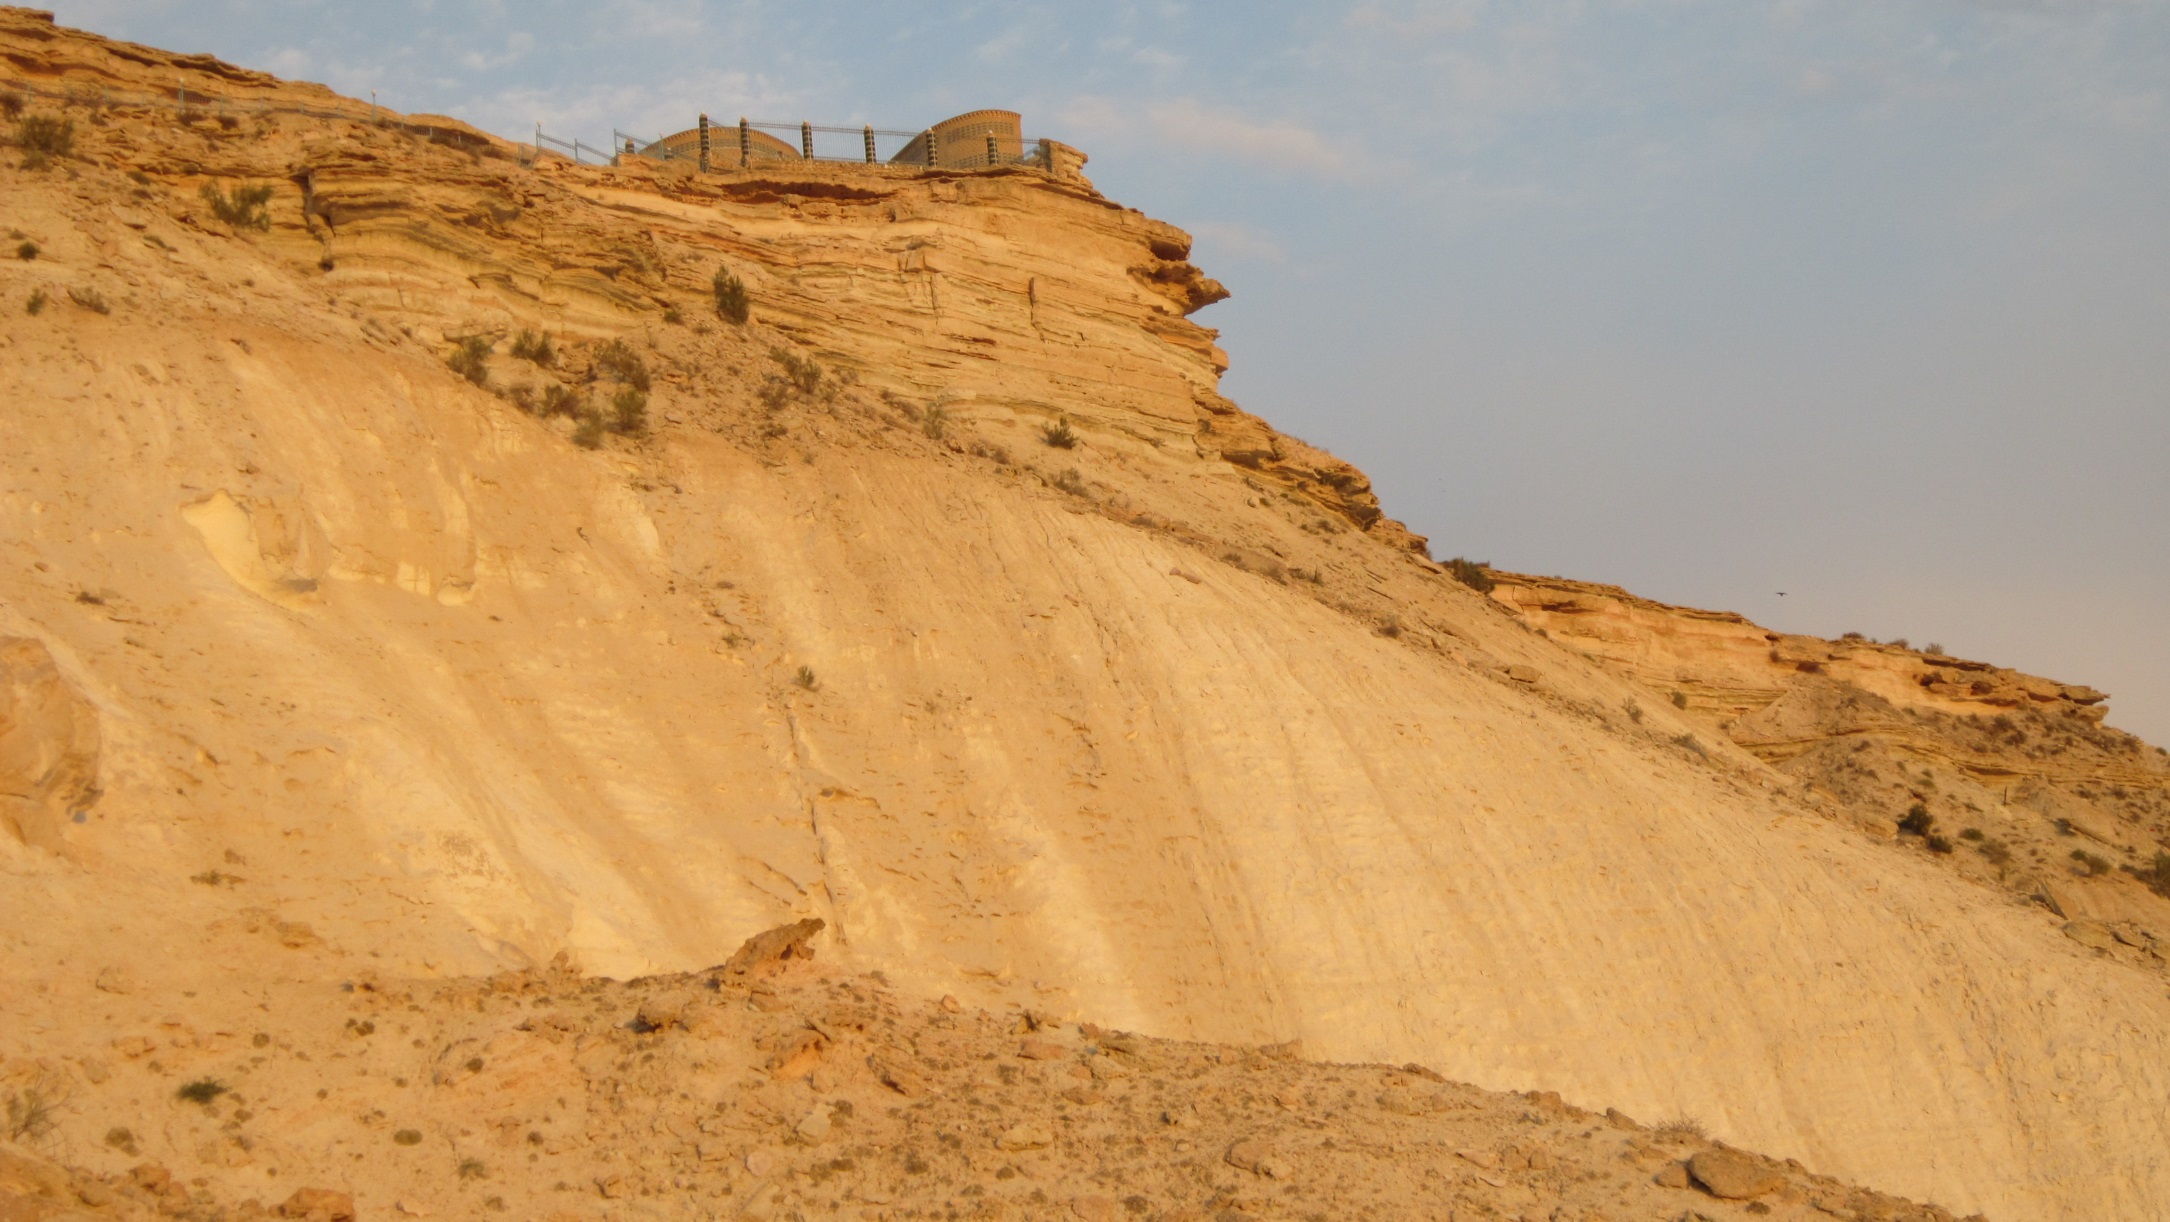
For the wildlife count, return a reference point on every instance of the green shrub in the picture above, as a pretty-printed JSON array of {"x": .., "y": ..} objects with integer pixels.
[
  {"x": 803, "y": 374},
  {"x": 1937, "y": 844},
  {"x": 1059, "y": 434},
  {"x": 629, "y": 411},
  {"x": 1933, "y": 649},
  {"x": 1972, "y": 833},
  {"x": 27, "y": 251},
  {"x": 732, "y": 305},
  {"x": 244, "y": 209},
  {"x": 620, "y": 363},
  {"x": 202, "y": 1090},
  {"x": 1471, "y": 573},
  {"x": 2156, "y": 874},
  {"x": 1072, "y": 481},
  {"x": 44, "y": 137},
  {"x": 521, "y": 396},
  {"x": 471, "y": 360},
  {"x": 1680, "y": 699},
  {"x": 534, "y": 346},
  {"x": 805, "y": 678},
  {"x": 1918, "y": 821},
  {"x": 673, "y": 317},
  {"x": 36, "y": 304},
  {"x": 1995, "y": 851}
]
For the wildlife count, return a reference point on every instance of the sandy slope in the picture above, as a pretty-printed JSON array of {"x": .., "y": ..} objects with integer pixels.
[{"x": 389, "y": 675}]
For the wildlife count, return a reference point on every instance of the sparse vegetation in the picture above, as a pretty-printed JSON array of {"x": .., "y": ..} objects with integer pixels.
[
  {"x": 2090, "y": 863},
  {"x": 617, "y": 361},
  {"x": 1936, "y": 843},
  {"x": 36, "y": 304},
  {"x": 1634, "y": 710},
  {"x": 11, "y": 103},
  {"x": 1972, "y": 833},
  {"x": 1933, "y": 649},
  {"x": 244, "y": 209},
  {"x": 1918, "y": 821},
  {"x": 1995, "y": 852},
  {"x": 1475, "y": 574},
  {"x": 934, "y": 422},
  {"x": 629, "y": 412},
  {"x": 673, "y": 317},
  {"x": 1680, "y": 1130},
  {"x": 43, "y": 138},
  {"x": 1071, "y": 480},
  {"x": 471, "y": 359},
  {"x": 202, "y": 1090},
  {"x": 805, "y": 678},
  {"x": 534, "y": 347},
  {"x": 2156, "y": 874},
  {"x": 1059, "y": 434},
  {"x": 90, "y": 299},
  {"x": 1680, "y": 699},
  {"x": 1687, "y": 742},
  {"x": 732, "y": 305},
  {"x": 408, "y": 1137},
  {"x": 562, "y": 401},
  {"x": 30, "y": 1112},
  {"x": 521, "y": 396},
  {"x": 472, "y": 1169},
  {"x": 27, "y": 251},
  {"x": 588, "y": 435}
]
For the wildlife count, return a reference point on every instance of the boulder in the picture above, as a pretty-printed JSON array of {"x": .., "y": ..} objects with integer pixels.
[{"x": 1732, "y": 1175}]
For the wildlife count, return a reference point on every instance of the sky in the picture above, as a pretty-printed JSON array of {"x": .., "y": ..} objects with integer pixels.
[{"x": 1866, "y": 301}]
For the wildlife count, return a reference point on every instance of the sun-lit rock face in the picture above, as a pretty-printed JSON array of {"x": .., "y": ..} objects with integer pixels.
[{"x": 946, "y": 600}]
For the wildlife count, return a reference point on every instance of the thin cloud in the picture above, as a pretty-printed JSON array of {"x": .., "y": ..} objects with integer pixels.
[
  {"x": 1192, "y": 126},
  {"x": 1236, "y": 240}
]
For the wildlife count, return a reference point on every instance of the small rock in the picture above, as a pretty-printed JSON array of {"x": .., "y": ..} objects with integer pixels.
[
  {"x": 1540, "y": 1159},
  {"x": 1520, "y": 673},
  {"x": 1085, "y": 1096},
  {"x": 1674, "y": 1175},
  {"x": 2090, "y": 933},
  {"x": 1483, "y": 1158},
  {"x": 1094, "y": 1208},
  {"x": 1041, "y": 1050},
  {"x": 1257, "y": 1157},
  {"x": 116, "y": 980},
  {"x": 815, "y": 1128},
  {"x": 1025, "y": 1137},
  {"x": 951, "y": 1005},
  {"x": 1732, "y": 1176},
  {"x": 317, "y": 1205},
  {"x": 760, "y": 1163}
]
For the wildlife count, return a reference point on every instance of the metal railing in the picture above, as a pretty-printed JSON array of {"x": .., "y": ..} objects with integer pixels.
[{"x": 729, "y": 146}]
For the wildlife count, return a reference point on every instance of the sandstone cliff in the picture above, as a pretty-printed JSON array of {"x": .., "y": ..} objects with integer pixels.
[{"x": 1167, "y": 728}]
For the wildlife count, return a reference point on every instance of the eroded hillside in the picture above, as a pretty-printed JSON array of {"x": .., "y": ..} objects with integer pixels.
[{"x": 944, "y": 600}]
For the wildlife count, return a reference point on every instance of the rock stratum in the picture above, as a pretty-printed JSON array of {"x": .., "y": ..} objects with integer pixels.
[{"x": 329, "y": 667}]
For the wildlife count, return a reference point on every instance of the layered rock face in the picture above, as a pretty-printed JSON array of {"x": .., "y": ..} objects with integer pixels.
[{"x": 946, "y": 601}]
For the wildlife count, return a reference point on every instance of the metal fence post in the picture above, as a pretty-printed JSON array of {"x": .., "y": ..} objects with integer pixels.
[
  {"x": 934, "y": 149},
  {"x": 806, "y": 140},
  {"x": 745, "y": 142},
  {"x": 704, "y": 144},
  {"x": 870, "y": 144}
]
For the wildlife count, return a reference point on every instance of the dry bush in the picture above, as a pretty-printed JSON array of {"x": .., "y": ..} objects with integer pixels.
[
  {"x": 471, "y": 360},
  {"x": 617, "y": 361},
  {"x": 589, "y": 434},
  {"x": 1059, "y": 434},
  {"x": 1072, "y": 481},
  {"x": 36, "y": 304},
  {"x": 244, "y": 209},
  {"x": 534, "y": 346},
  {"x": 732, "y": 304},
  {"x": 629, "y": 412},
  {"x": 1472, "y": 573},
  {"x": 1680, "y": 1130},
  {"x": 935, "y": 422},
  {"x": 43, "y": 138},
  {"x": 562, "y": 401}
]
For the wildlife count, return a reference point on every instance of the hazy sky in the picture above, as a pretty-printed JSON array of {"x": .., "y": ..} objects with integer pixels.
[{"x": 1868, "y": 302}]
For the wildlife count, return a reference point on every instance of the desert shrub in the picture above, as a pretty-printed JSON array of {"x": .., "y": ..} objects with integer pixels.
[
  {"x": 44, "y": 137},
  {"x": 1918, "y": 821},
  {"x": 1900, "y": 641},
  {"x": 589, "y": 434},
  {"x": 36, "y": 304},
  {"x": 1687, "y": 742},
  {"x": 561, "y": 401},
  {"x": 244, "y": 209},
  {"x": 521, "y": 396},
  {"x": 805, "y": 678},
  {"x": 1972, "y": 833},
  {"x": 2156, "y": 875},
  {"x": 673, "y": 317},
  {"x": 1933, "y": 649},
  {"x": 1634, "y": 710},
  {"x": 1852, "y": 636},
  {"x": 408, "y": 1137},
  {"x": 629, "y": 411},
  {"x": 1680, "y": 1130},
  {"x": 27, "y": 251},
  {"x": 472, "y": 1169},
  {"x": 1680, "y": 700},
  {"x": 1059, "y": 434},
  {"x": 1937, "y": 844},
  {"x": 801, "y": 373},
  {"x": 471, "y": 360},
  {"x": 534, "y": 346},
  {"x": 935, "y": 421},
  {"x": 202, "y": 1090},
  {"x": 30, "y": 1112},
  {"x": 732, "y": 305},
  {"x": 2064, "y": 827},
  {"x": 2091, "y": 863},
  {"x": 1995, "y": 851},
  {"x": 90, "y": 299},
  {"x": 617, "y": 361},
  {"x": 1072, "y": 481},
  {"x": 11, "y": 103},
  {"x": 1471, "y": 573}
]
